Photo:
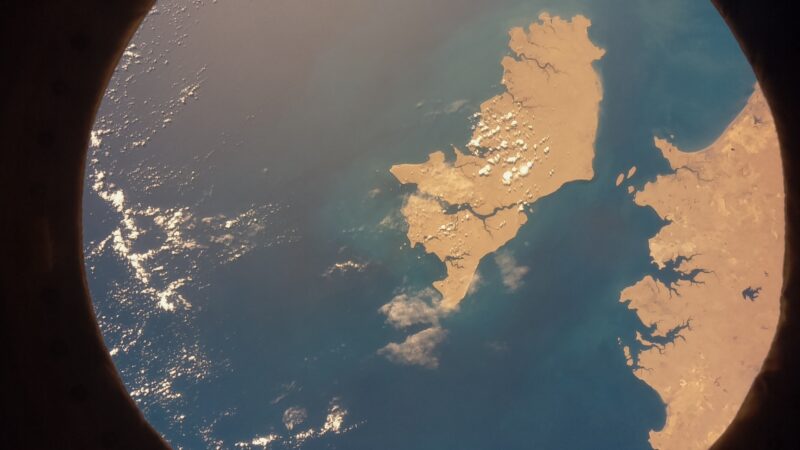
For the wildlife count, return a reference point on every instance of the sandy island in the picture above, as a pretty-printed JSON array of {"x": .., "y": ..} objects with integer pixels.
[
  {"x": 528, "y": 142},
  {"x": 725, "y": 205}
]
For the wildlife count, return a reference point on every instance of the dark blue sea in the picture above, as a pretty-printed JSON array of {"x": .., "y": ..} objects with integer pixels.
[{"x": 299, "y": 110}]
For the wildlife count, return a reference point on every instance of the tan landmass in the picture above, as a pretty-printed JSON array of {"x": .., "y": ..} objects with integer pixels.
[
  {"x": 622, "y": 177},
  {"x": 725, "y": 205},
  {"x": 529, "y": 141}
]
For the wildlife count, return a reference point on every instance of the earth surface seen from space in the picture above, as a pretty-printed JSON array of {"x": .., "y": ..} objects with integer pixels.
[{"x": 472, "y": 225}]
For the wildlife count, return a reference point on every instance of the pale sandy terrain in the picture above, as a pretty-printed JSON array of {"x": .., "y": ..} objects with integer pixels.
[
  {"x": 622, "y": 176},
  {"x": 528, "y": 142},
  {"x": 725, "y": 205}
]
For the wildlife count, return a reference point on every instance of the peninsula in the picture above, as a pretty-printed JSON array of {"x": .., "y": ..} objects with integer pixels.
[
  {"x": 725, "y": 240},
  {"x": 527, "y": 142}
]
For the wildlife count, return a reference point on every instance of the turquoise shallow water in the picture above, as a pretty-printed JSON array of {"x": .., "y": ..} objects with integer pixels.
[{"x": 334, "y": 95}]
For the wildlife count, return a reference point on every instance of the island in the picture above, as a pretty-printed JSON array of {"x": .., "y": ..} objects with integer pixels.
[
  {"x": 527, "y": 142},
  {"x": 710, "y": 330}
]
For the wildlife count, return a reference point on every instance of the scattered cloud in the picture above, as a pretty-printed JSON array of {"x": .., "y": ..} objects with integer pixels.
[
  {"x": 455, "y": 106},
  {"x": 392, "y": 221},
  {"x": 345, "y": 267},
  {"x": 407, "y": 309},
  {"x": 261, "y": 442},
  {"x": 149, "y": 238},
  {"x": 294, "y": 416},
  {"x": 497, "y": 346},
  {"x": 438, "y": 108},
  {"x": 286, "y": 389},
  {"x": 334, "y": 424},
  {"x": 418, "y": 349},
  {"x": 511, "y": 272},
  {"x": 475, "y": 284}
]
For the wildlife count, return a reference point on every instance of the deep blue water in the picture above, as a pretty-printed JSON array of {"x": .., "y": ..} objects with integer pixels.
[{"x": 333, "y": 93}]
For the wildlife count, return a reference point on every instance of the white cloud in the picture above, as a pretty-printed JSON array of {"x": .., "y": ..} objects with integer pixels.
[
  {"x": 392, "y": 221},
  {"x": 497, "y": 346},
  {"x": 455, "y": 106},
  {"x": 438, "y": 108},
  {"x": 405, "y": 310},
  {"x": 417, "y": 349},
  {"x": 259, "y": 442},
  {"x": 475, "y": 284},
  {"x": 294, "y": 416},
  {"x": 344, "y": 267},
  {"x": 286, "y": 389},
  {"x": 334, "y": 424},
  {"x": 511, "y": 272}
]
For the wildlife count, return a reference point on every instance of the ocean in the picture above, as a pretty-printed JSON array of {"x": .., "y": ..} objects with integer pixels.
[{"x": 306, "y": 107}]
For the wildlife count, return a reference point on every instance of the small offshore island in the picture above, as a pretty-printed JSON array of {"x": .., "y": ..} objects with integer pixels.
[
  {"x": 528, "y": 142},
  {"x": 724, "y": 238}
]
